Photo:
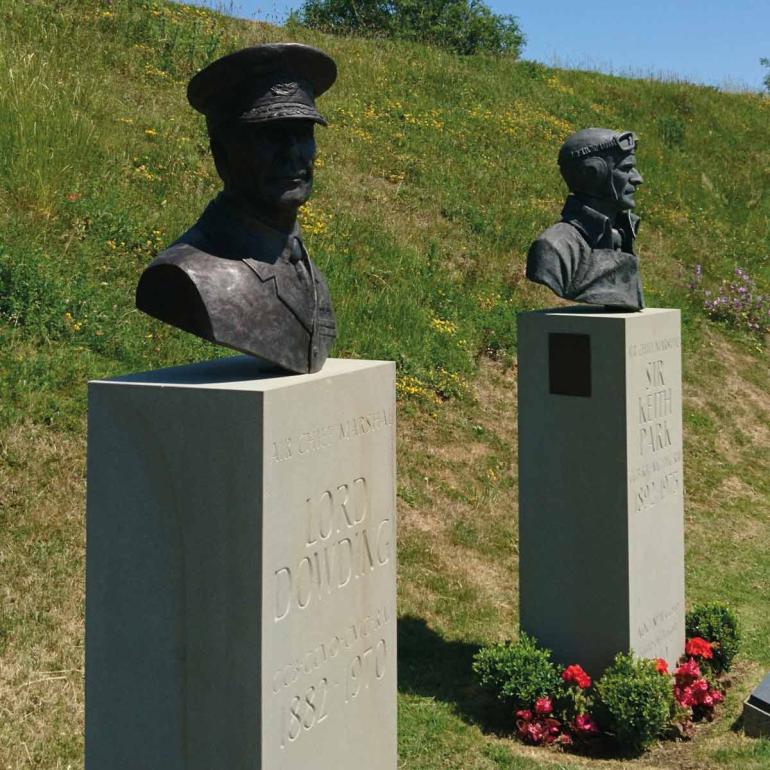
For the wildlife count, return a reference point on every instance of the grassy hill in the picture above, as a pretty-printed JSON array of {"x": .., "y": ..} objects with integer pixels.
[{"x": 435, "y": 174}]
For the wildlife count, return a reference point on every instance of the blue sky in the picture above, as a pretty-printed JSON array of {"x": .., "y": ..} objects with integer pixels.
[{"x": 717, "y": 42}]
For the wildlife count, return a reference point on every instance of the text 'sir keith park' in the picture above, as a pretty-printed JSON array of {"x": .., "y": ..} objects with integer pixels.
[
  {"x": 240, "y": 276},
  {"x": 589, "y": 255}
]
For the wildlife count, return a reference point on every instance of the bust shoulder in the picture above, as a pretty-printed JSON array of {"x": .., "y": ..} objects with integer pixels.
[
  {"x": 169, "y": 289},
  {"x": 560, "y": 237},
  {"x": 257, "y": 308},
  {"x": 554, "y": 257}
]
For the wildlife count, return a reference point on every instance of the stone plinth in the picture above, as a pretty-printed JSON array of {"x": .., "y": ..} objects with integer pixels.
[
  {"x": 756, "y": 711},
  {"x": 241, "y": 569},
  {"x": 601, "y": 543}
]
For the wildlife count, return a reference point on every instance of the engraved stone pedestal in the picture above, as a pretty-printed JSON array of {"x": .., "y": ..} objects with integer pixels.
[
  {"x": 601, "y": 542},
  {"x": 241, "y": 576},
  {"x": 756, "y": 711}
]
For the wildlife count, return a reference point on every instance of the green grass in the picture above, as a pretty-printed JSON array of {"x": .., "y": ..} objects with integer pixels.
[{"x": 435, "y": 174}]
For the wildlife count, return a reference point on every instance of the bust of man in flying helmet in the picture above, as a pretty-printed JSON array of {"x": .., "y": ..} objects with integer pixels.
[{"x": 589, "y": 254}]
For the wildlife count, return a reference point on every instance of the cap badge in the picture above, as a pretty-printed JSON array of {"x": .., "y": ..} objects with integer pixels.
[{"x": 284, "y": 89}]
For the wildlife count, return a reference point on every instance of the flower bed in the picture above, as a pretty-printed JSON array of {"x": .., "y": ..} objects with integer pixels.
[{"x": 634, "y": 703}]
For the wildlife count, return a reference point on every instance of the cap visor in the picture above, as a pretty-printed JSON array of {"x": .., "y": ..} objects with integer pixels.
[{"x": 282, "y": 112}]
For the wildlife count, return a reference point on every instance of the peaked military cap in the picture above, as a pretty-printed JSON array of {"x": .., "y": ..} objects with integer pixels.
[{"x": 278, "y": 81}]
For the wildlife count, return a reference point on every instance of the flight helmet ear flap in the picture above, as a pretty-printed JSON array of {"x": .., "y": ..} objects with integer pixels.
[{"x": 590, "y": 176}]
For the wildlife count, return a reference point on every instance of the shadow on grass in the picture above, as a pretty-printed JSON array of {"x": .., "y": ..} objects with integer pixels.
[{"x": 434, "y": 667}]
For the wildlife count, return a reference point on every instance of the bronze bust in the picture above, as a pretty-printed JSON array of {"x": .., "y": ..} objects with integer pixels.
[
  {"x": 240, "y": 276},
  {"x": 589, "y": 255}
]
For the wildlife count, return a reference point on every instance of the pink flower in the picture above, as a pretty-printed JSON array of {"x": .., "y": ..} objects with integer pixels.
[
  {"x": 524, "y": 714},
  {"x": 700, "y": 686},
  {"x": 661, "y": 666},
  {"x": 577, "y": 675},
  {"x": 699, "y": 648},
  {"x": 585, "y": 724},
  {"x": 554, "y": 728},
  {"x": 543, "y": 705},
  {"x": 684, "y": 696},
  {"x": 565, "y": 739},
  {"x": 687, "y": 672},
  {"x": 716, "y": 696},
  {"x": 535, "y": 732}
]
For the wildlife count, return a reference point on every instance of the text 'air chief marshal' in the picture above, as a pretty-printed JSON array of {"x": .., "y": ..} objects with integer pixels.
[{"x": 240, "y": 276}]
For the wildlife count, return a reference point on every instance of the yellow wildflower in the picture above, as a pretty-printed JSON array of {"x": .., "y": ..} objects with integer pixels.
[
  {"x": 312, "y": 220},
  {"x": 443, "y": 326}
]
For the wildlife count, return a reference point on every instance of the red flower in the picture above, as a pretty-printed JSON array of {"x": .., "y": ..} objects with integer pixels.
[
  {"x": 699, "y": 648},
  {"x": 565, "y": 739},
  {"x": 576, "y": 674},
  {"x": 524, "y": 714},
  {"x": 585, "y": 724},
  {"x": 661, "y": 666},
  {"x": 543, "y": 705}
]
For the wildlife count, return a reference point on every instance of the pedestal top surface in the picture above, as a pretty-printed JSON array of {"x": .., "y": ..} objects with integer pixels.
[
  {"x": 594, "y": 312},
  {"x": 760, "y": 696},
  {"x": 237, "y": 373}
]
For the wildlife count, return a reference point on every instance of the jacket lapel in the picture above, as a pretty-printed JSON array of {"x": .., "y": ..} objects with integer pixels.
[{"x": 287, "y": 288}]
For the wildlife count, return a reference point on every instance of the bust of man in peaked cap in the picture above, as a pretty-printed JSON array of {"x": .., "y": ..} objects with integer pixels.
[
  {"x": 589, "y": 255},
  {"x": 240, "y": 276}
]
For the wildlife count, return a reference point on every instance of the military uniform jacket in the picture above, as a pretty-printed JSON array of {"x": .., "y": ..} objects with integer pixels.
[
  {"x": 237, "y": 282},
  {"x": 588, "y": 258}
]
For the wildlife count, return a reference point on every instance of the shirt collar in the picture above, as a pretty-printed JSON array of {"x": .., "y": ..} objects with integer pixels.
[{"x": 594, "y": 225}]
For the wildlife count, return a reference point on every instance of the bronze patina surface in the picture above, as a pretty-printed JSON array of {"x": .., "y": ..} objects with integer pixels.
[
  {"x": 241, "y": 276},
  {"x": 589, "y": 255}
]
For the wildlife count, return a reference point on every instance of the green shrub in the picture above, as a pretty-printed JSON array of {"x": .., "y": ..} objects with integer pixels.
[
  {"x": 517, "y": 672},
  {"x": 717, "y": 624},
  {"x": 463, "y": 26},
  {"x": 634, "y": 702}
]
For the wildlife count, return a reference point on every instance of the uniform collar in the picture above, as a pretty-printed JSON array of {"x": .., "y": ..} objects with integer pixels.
[{"x": 595, "y": 226}]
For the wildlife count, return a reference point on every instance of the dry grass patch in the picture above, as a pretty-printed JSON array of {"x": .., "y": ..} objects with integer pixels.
[
  {"x": 41, "y": 610},
  {"x": 458, "y": 534}
]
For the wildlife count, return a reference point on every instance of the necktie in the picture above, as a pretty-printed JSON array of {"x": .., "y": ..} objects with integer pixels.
[{"x": 297, "y": 258}]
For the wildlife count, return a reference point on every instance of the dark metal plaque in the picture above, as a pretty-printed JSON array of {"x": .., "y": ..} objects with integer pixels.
[{"x": 569, "y": 364}]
